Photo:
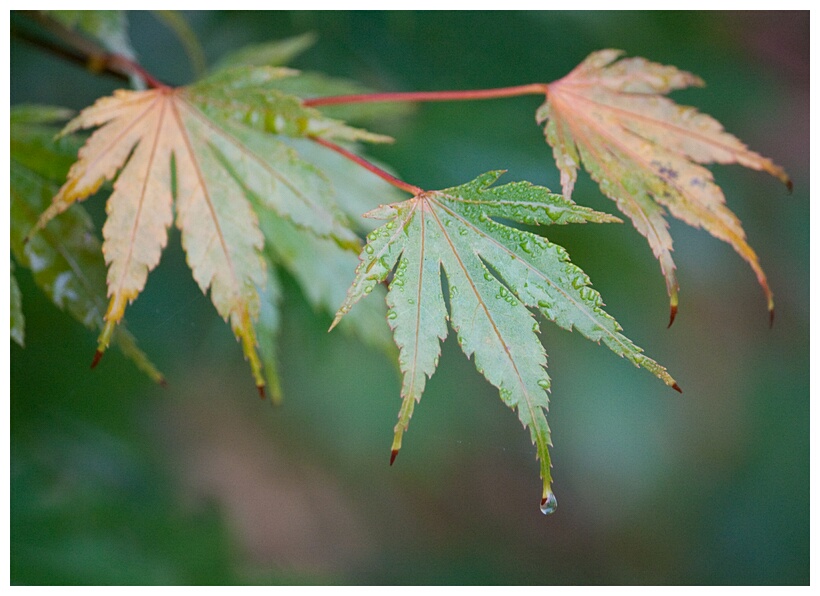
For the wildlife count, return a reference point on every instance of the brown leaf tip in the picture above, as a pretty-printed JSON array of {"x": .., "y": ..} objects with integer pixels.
[
  {"x": 96, "y": 360},
  {"x": 677, "y": 388},
  {"x": 163, "y": 383},
  {"x": 261, "y": 390},
  {"x": 393, "y": 455},
  {"x": 771, "y": 318},
  {"x": 673, "y": 312}
]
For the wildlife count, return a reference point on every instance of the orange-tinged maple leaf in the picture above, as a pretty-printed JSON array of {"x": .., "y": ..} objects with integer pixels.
[
  {"x": 156, "y": 137},
  {"x": 644, "y": 151},
  {"x": 173, "y": 155}
]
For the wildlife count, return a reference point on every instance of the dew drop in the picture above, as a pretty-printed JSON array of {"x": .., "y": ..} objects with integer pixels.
[
  {"x": 549, "y": 504},
  {"x": 368, "y": 249},
  {"x": 368, "y": 289}
]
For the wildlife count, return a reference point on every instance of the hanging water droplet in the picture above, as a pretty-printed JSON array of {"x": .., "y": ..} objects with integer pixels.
[{"x": 549, "y": 504}]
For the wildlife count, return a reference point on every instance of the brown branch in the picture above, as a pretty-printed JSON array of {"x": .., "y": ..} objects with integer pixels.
[{"x": 84, "y": 52}]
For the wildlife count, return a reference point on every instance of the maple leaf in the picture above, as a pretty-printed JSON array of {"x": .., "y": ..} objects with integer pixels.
[
  {"x": 65, "y": 259},
  {"x": 493, "y": 272},
  {"x": 109, "y": 27},
  {"x": 18, "y": 320},
  {"x": 202, "y": 149},
  {"x": 279, "y": 52},
  {"x": 644, "y": 151},
  {"x": 322, "y": 268}
]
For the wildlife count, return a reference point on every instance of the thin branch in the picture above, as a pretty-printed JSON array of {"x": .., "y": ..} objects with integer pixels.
[
  {"x": 531, "y": 89},
  {"x": 359, "y": 160},
  {"x": 84, "y": 52},
  {"x": 92, "y": 63}
]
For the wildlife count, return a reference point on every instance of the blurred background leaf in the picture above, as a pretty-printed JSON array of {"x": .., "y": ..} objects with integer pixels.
[{"x": 114, "y": 480}]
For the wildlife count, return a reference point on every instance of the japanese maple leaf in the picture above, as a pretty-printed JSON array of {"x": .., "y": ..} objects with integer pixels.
[
  {"x": 644, "y": 151},
  {"x": 494, "y": 272},
  {"x": 203, "y": 151},
  {"x": 65, "y": 260}
]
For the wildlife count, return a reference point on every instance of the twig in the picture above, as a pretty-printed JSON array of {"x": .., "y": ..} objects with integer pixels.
[{"x": 400, "y": 184}]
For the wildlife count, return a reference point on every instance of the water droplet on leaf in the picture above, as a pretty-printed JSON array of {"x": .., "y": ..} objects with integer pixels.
[{"x": 549, "y": 504}]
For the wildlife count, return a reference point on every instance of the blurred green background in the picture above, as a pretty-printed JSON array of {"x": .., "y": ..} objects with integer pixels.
[{"x": 114, "y": 480}]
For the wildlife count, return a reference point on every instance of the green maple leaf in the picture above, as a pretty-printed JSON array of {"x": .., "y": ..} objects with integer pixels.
[
  {"x": 18, "y": 320},
  {"x": 279, "y": 52},
  {"x": 109, "y": 27},
  {"x": 494, "y": 273}
]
